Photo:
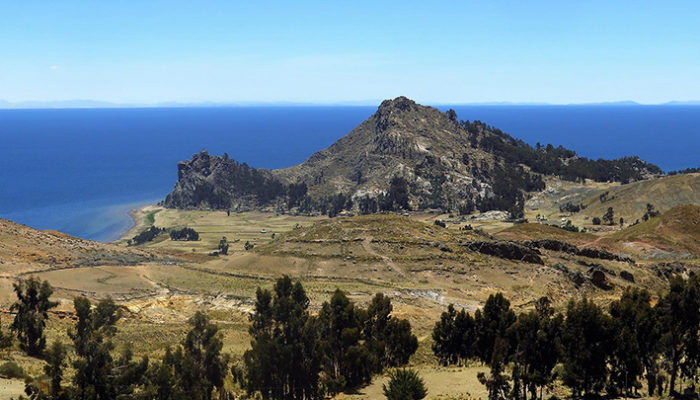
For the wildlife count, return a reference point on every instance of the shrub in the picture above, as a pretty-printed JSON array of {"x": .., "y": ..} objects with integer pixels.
[
  {"x": 147, "y": 235},
  {"x": 10, "y": 370},
  {"x": 223, "y": 246},
  {"x": 596, "y": 221},
  {"x": 187, "y": 234},
  {"x": 405, "y": 384}
]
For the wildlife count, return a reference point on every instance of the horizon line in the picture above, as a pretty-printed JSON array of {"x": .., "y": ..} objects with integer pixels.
[{"x": 94, "y": 104}]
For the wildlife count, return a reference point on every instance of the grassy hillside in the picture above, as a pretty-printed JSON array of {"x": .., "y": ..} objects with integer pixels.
[
  {"x": 675, "y": 229},
  {"x": 629, "y": 201}
]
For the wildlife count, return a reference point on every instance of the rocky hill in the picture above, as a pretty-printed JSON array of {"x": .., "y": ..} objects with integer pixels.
[{"x": 404, "y": 156}]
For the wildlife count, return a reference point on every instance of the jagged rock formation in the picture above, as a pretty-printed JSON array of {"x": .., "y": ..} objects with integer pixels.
[
  {"x": 221, "y": 183},
  {"x": 443, "y": 163}
]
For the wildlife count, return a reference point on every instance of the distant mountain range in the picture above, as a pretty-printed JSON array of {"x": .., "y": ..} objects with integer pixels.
[{"x": 173, "y": 104}]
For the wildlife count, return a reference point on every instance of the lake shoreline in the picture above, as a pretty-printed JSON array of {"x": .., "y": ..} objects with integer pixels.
[{"x": 139, "y": 217}]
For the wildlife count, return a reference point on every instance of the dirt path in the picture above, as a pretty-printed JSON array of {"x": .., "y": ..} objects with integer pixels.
[{"x": 367, "y": 246}]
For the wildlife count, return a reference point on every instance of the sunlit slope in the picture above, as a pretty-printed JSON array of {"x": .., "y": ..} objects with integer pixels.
[
  {"x": 629, "y": 201},
  {"x": 675, "y": 229},
  {"x": 22, "y": 246}
]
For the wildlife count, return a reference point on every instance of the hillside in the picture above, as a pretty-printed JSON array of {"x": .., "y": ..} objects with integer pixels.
[
  {"x": 629, "y": 201},
  {"x": 24, "y": 247},
  {"x": 676, "y": 229},
  {"x": 405, "y": 156}
]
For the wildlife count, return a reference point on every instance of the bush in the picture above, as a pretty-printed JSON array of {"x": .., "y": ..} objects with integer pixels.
[
  {"x": 596, "y": 221},
  {"x": 187, "y": 234},
  {"x": 147, "y": 235},
  {"x": 440, "y": 223},
  {"x": 405, "y": 384},
  {"x": 11, "y": 370}
]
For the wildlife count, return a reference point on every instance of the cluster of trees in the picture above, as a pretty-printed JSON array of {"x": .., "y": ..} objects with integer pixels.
[
  {"x": 185, "y": 233},
  {"x": 146, "y": 235},
  {"x": 569, "y": 226},
  {"x": 571, "y": 207},
  {"x": 395, "y": 199},
  {"x": 295, "y": 355},
  {"x": 685, "y": 171},
  {"x": 650, "y": 213},
  {"x": 508, "y": 184},
  {"x": 242, "y": 181},
  {"x": 598, "y": 350},
  {"x": 550, "y": 160},
  {"x": 608, "y": 218}
]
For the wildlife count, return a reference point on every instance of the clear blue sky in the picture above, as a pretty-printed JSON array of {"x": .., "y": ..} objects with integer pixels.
[{"x": 331, "y": 51}]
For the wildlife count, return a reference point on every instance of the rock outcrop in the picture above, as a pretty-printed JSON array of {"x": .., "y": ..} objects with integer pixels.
[
  {"x": 208, "y": 181},
  {"x": 507, "y": 250}
]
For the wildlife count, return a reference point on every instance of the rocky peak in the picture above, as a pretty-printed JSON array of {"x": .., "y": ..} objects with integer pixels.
[{"x": 400, "y": 103}]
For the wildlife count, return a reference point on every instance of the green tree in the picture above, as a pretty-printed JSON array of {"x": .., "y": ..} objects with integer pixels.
[
  {"x": 492, "y": 322},
  {"x": 197, "y": 366},
  {"x": 223, "y": 246},
  {"x": 367, "y": 205},
  {"x": 496, "y": 382},
  {"x": 55, "y": 357},
  {"x": 636, "y": 335},
  {"x": 97, "y": 376},
  {"x": 5, "y": 339},
  {"x": 405, "y": 384},
  {"x": 679, "y": 316},
  {"x": 389, "y": 339},
  {"x": 284, "y": 359},
  {"x": 454, "y": 337},
  {"x": 651, "y": 212},
  {"x": 609, "y": 216},
  {"x": 346, "y": 362},
  {"x": 397, "y": 196},
  {"x": 536, "y": 338},
  {"x": 31, "y": 311},
  {"x": 586, "y": 344},
  {"x": 160, "y": 381}
]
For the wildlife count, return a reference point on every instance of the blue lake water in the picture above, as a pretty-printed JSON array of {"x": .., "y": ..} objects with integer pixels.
[{"x": 81, "y": 170}]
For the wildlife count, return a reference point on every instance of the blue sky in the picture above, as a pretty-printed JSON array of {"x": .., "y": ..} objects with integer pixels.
[{"x": 337, "y": 51}]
